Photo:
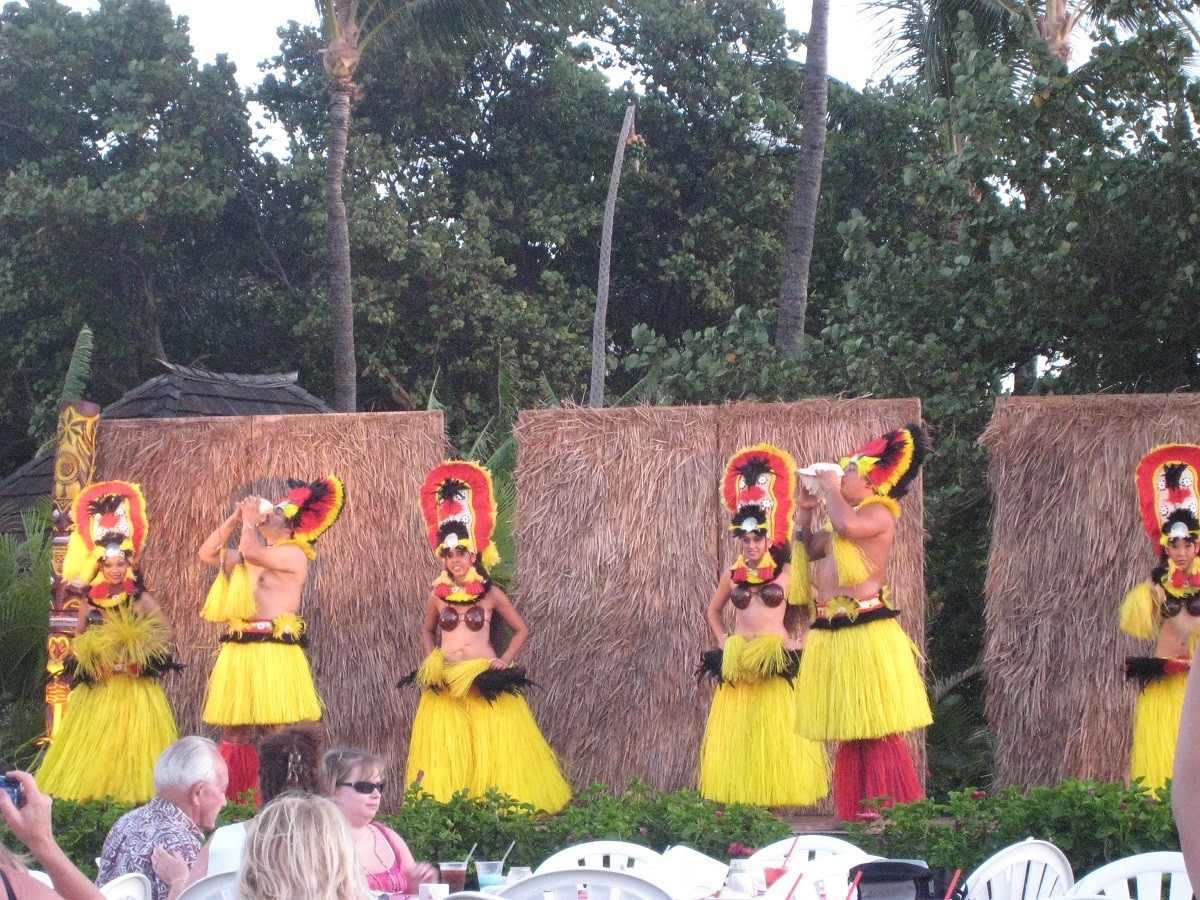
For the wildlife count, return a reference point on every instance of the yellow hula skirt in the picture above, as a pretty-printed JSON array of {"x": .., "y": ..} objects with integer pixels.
[
  {"x": 460, "y": 739},
  {"x": 1156, "y": 726},
  {"x": 751, "y": 752},
  {"x": 111, "y": 736},
  {"x": 860, "y": 681},
  {"x": 262, "y": 681}
]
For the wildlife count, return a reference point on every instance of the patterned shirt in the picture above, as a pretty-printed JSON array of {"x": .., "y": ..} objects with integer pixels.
[{"x": 131, "y": 841}]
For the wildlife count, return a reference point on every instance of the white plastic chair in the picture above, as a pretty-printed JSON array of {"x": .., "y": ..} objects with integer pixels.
[
  {"x": 42, "y": 877},
  {"x": 1030, "y": 870},
  {"x": 620, "y": 855},
  {"x": 133, "y": 886},
  {"x": 602, "y": 884},
  {"x": 1149, "y": 873},
  {"x": 218, "y": 886},
  {"x": 684, "y": 872},
  {"x": 804, "y": 848}
]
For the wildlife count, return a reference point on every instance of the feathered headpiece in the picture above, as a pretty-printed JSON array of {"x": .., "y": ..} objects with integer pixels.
[
  {"x": 890, "y": 463},
  {"x": 460, "y": 510},
  {"x": 311, "y": 507},
  {"x": 108, "y": 516},
  {"x": 1167, "y": 483},
  {"x": 759, "y": 490}
]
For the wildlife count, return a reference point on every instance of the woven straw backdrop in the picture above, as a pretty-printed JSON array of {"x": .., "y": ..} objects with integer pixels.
[
  {"x": 365, "y": 594},
  {"x": 622, "y": 537},
  {"x": 1067, "y": 543}
]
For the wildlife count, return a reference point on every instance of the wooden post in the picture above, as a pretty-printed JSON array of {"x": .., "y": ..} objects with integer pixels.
[{"x": 74, "y": 466}]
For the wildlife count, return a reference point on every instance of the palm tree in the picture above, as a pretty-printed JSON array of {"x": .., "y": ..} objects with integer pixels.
[
  {"x": 349, "y": 27},
  {"x": 806, "y": 190}
]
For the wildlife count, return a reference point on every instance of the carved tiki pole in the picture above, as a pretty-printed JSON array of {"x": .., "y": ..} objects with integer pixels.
[{"x": 74, "y": 465}]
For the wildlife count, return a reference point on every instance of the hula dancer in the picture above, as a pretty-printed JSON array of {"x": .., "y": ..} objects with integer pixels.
[
  {"x": 117, "y": 720},
  {"x": 473, "y": 728},
  {"x": 858, "y": 679},
  {"x": 751, "y": 752},
  {"x": 261, "y": 677},
  {"x": 1167, "y": 482}
]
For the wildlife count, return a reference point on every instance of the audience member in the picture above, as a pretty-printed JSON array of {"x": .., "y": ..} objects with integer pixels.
[
  {"x": 355, "y": 780},
  {"x": 300, "y": 847},
  {"x": 189, "y": 783},
  {"x": 289, "y": 760},
  {"x": 31, "y": 823}
]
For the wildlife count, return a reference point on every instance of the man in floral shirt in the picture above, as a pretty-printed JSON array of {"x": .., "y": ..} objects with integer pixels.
[{"x": 189, "y": 783}]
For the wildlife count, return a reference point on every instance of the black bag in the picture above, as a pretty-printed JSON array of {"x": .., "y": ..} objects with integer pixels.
[{"x": 893, "y": 879}]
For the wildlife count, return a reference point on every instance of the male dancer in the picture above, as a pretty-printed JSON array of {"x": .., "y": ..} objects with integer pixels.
[
  {"x": 858, "y": 674},
  {"x": 261, "y": 677}
]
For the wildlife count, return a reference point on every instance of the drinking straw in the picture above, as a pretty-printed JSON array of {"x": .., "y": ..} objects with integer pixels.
[
  {"x": 953, "y": 883},
  {"x": 506, "y": 852},
  {"x": 795, "y": 885},
  {"x": 470, "y": 853},
  {"x": 854, "y": 886},
  {"x": 788, "y": 855}
]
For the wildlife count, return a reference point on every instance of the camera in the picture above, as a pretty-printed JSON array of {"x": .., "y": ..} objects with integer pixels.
[{"x": 12, "y": 787}]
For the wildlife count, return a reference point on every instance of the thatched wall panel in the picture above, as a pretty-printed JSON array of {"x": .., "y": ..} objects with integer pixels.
[
  {"x": 365, "y": 595},
  {"x": 617, "y": 504},
  {"x": 616, "y": 546},
  {"x": 1067, "y": 543}
]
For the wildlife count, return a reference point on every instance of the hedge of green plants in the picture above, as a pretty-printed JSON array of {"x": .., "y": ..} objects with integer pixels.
[
  {"x": 445, "y": 831},
  {"x": 1092, "y": 822}
]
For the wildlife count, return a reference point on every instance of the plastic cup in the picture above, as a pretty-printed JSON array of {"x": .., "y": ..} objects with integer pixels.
[
  {"x": 772, "y": 874},
  {"x": 454, "y": 874},
  {"x": 490, "y": 873},
  {"x": 516, "y": 873}
]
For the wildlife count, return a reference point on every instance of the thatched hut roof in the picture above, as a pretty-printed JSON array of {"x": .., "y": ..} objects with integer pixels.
[
  {"x": 182, "y": 391},
  {"x": 365, "y": 595},
  {"x": 621, "y": 539},
  {"x": 1067, "y": 543}
]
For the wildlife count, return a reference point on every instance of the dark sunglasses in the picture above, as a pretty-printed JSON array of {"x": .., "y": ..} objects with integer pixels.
[
  {"x": 364, "y": 787},
  {"x": 1173, "y": 606}
]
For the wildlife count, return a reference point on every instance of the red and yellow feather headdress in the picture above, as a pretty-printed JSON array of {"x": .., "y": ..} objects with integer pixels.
[
  {"x": 1168, "y": 478},
  {"x": 759, "y": 490},
  {"x": 312, "y": 507},
  {"x": 459, "y": 507},
  {"x": 100, "y": 511},
  {"x": 891, "y": 462}
]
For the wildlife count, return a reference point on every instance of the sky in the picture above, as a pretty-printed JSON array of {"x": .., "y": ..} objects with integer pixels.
[{"x": 245, "y": 29}]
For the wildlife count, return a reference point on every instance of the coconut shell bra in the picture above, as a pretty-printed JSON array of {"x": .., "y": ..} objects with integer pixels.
[
  {"x": 770, "y": 594},
  {"x": 474, "y": 618}
]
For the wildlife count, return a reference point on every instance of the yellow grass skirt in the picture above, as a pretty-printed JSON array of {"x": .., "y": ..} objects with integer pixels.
[
  {"x": 461, "y": 740},
  {"x": 860, "y": 682},
  {"x": 1156, "y": 726},
  {"x": 261, "y": 683},
  {"x": 751, "y": 752},
  {"x": 108, "y": 742}
]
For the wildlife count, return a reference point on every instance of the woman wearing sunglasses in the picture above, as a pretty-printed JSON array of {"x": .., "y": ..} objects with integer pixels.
[
  {"x": 1167, "y": 487},
  {"x": 356, "y": 785}
]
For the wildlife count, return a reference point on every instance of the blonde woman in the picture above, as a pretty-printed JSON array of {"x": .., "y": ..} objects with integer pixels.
[{"x": 300, "y": 847}]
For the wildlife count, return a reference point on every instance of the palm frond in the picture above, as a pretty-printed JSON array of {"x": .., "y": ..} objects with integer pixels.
[
  {"x": 548, "y": 393},
  {"x": 433, "y": 403},
  {"x": 79, "y": 369}
]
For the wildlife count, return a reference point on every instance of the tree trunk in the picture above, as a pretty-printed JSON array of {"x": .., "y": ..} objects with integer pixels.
[
  {"x": 596, "y": 388},
  {"x": 337, "y": 233},
  {"x": 806, "y": 191}
]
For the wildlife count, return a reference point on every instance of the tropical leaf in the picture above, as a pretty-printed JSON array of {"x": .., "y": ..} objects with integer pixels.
[{"x": 79, "y": 369}]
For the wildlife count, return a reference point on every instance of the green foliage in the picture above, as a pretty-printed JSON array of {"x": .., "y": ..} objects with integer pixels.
[
  {"x": 24, "y": 618},
  {"x": 438, "y": 831},
  {"x": 1092, "y": 822}
]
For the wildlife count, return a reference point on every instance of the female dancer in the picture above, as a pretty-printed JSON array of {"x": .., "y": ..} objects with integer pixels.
[
  {"x": 117, "y": 720},
  {"x": 751, "y": 753},
  {"x": 1166, "y": 479},
  {"x": 473, "y": 728}
]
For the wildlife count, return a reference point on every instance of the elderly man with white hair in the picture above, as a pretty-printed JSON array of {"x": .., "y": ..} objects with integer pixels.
[{"x": 190, "y": 778}]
